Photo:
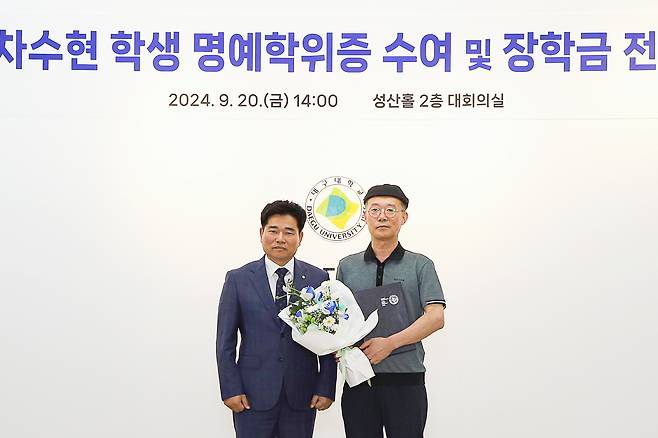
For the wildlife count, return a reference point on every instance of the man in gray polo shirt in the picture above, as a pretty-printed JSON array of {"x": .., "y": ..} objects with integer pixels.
[{"x": 395, "y": 399}]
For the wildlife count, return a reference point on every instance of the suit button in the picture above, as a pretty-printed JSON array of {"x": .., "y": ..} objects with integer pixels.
[{"x": 280, "y": 359}]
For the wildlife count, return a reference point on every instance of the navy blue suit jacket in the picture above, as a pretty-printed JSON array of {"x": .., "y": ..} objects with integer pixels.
[{"x": 269, "y": 359}]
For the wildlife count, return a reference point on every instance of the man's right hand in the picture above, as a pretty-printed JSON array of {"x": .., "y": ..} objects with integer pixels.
[{"x": 237, "y": 403}]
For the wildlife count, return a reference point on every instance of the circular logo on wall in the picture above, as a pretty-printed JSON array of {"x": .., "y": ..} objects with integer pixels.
[{"x": 335, "y": 209}]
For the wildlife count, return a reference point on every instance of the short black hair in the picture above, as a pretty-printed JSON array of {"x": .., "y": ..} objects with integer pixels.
[{"x": 283, "y": 207}]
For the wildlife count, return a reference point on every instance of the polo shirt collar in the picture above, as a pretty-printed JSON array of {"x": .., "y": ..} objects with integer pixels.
[{"x": 369, "y": 254}]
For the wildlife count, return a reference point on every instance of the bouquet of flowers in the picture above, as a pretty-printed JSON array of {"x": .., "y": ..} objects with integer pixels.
[{"x": 328, "y": 319}]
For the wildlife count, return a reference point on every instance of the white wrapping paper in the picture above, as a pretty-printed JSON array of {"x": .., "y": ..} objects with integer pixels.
[{"x": 354, "y": 365}]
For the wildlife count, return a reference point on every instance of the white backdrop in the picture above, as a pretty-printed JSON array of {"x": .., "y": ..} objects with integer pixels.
[{"x": 120, "y": 217}]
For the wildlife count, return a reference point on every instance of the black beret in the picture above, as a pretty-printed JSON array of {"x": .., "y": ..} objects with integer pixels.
[{"x": 387, "y": 190}]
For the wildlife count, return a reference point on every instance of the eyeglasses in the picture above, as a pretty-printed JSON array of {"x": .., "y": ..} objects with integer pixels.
[{"x": 388, "y": 212}]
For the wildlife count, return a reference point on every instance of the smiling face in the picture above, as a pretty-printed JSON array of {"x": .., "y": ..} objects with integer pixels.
[
  {"x": 280, "y": 238},
  {"x": 382, "y": 227}
]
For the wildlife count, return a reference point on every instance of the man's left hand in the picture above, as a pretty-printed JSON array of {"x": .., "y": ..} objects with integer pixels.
[
  {"x": 377, "y": 349},
  {"x": 320, "y": 403}
]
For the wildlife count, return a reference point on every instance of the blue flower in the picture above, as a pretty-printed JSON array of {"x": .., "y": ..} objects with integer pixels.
[
  {"x": 346, "y": 317},
  {"x": 318, "y": 295},
  {"x": 329, "y": 307},
  {"x": 298, "y": 314},
  {"x": 308, "y": 293}
]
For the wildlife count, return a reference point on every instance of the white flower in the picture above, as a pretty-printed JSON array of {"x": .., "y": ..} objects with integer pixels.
[
  {"x": 329, "y": 322},
  {"x": 313, "y": 308}
]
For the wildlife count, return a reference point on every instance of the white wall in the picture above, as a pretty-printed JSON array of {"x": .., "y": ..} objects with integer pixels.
[{"x": 120, "y": 216}]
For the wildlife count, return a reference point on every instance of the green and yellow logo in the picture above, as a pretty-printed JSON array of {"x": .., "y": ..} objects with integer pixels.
[
  {"x": 338, "y": 208},
  {"x": 334, "y": 208}
]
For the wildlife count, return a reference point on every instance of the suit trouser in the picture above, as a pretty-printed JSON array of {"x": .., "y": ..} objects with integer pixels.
[
  {"x": 397, "y": 403},
  {"x": 282, "y": 421}
]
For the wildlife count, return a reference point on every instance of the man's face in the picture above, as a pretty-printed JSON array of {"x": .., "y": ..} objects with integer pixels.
[
  {"x": 382, "y": 227},
  {"x": 280, "y": 238}
]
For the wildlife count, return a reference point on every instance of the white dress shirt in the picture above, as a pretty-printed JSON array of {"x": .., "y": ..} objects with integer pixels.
[{"x": 272, "y": 277}]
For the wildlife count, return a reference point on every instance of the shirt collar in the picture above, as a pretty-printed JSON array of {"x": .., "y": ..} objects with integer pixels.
[
  {"x": 271, "y": 267},
  {"x": 369, "y": 254}
]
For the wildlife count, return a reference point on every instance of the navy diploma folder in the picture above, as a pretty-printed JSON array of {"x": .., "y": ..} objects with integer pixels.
[{"x": 389, "y": 301}]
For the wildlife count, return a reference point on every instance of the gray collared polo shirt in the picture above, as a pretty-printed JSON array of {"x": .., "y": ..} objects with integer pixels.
[{"x": 420, "y": 284}]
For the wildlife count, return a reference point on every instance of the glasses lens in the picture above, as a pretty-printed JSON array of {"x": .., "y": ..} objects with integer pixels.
[{"x": 388, "y": 212}]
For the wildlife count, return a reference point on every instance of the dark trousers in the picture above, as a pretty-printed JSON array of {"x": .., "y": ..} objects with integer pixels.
[
  {"x": 282, "y": 421},
  {"x": 395, "y": 402}
]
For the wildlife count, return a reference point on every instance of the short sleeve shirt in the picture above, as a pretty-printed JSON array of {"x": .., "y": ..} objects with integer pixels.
[{"x": 420, "y": 285}]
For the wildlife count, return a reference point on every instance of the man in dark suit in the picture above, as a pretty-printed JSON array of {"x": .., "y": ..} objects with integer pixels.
[{"x": 275, "y": 386}]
